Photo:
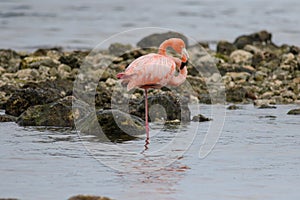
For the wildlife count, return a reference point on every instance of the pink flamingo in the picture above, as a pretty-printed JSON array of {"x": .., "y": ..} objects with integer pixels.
[{"x": 156, "y": 70}]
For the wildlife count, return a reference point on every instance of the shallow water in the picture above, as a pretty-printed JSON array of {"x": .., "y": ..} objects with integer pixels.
[
  {"x": 29, "y": 24},
  {"x": 256, "y": 157}
]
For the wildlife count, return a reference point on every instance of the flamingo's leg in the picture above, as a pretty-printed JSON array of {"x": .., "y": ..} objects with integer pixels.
[{"x": 146, "y": 114}]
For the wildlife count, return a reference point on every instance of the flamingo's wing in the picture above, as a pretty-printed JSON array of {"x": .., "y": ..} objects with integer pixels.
[{"x": 151, "y": 70}]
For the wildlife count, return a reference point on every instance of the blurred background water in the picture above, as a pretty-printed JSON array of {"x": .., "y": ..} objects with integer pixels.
[{"x": 29, "y": 24}]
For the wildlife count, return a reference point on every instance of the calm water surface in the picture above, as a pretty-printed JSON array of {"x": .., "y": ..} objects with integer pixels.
[
  {"x": 29, "y": 24},
  {"x": 256, "y": 157}
]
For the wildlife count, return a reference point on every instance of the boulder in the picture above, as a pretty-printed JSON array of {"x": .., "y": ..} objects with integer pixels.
[
  {"x": 112, "y": 125},
  {"x": 37, "y": 94},
  {"x": 224, "y": 47},
  {"x": 262, "y": 37},
  {"x": 154, "y": 40},
  {"x": 241, "y": 56},
  {"x": 58, "y": 114},
  {"x": 170, "y": 107}
]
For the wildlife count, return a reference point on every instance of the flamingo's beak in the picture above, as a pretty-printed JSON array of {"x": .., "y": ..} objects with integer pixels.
[
  {"x": 184, "y": 58},
  {"x": 184, "y": 54}
]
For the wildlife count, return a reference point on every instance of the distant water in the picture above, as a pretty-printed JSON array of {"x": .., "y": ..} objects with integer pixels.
[
  {"x": 29, "y": 24},
  {"x": 256, "y": 157}
]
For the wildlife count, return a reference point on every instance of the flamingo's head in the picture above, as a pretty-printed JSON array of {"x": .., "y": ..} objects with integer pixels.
[{"x": 179, "y": 46}]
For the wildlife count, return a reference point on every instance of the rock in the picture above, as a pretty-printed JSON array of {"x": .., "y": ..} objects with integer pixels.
[
  {"x": 116, "y": 126},
  {"x": 241, "y": 56},
  {"x": 37, "y": 61},
  {"x": 236, "y": 94},
  {"x": 226, "y": 48},
  {"x": 58, "y": 113},
  {"x": 2, "y": 71},
  {"x": 253, "y": 49},
  {"x": 7, "y": 118},
  {"x": 37, "y": 94},
  {"x": 9, "y": 60},
  {"x": 238, "y": 76},
  {"x": 88, "y": 197},
  {"x": 233, "y": 107},
  {"x": 53, "y": 53},
  {"x": 294, "y": 112},
  {"x": 200, "y": 118},
  {"x": 172, "y": 107},
  {"x": 262, "y": 37},
  {"x": 154, "y": 40},
  {"x": 73, "y": 59},
  {"x": 28, "y": 74},
  {"x": 64, "y": 71},
  {"x": 118, "y": 49},
  {"x": 264, "y": 103}
]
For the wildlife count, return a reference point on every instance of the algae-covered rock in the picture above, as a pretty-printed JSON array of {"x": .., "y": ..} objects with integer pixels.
[
  {"x": 174, "y": 108},
  {"x": 294, "y": 112},
  {"x": 37, "y": 94},
  {"x": 58, "y": 113},
  {"x": 112, "y": 125}
]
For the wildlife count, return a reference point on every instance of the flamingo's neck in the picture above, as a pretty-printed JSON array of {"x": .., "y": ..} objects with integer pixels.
[{"x": 163, "y": 47}]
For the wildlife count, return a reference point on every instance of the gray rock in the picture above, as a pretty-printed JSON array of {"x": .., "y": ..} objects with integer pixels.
[
  {"x": 241, "y": 56},
  {"x": 118, "y": 49},
  {"x": 154, "y": 40}
]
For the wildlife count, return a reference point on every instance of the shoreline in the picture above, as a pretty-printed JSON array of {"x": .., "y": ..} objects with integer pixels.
[{"x": 252, "y": 69}]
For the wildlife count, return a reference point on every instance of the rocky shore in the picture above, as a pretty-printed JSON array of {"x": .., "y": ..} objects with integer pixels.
[{"x": 37, "y": 89}]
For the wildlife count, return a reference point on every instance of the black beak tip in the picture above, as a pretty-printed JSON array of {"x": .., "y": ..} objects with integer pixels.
[{"x": 183, "y": 64}]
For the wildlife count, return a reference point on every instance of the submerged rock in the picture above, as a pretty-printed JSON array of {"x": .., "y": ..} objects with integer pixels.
[
  {"x": 200, "y": 118},
  {"x": 294, "y": 112},
  {"x": 234, "y": 107},
  {"x": 88, "y": 197}
]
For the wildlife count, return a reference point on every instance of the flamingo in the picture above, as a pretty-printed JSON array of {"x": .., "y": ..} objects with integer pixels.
[{"x": 156, "y": 70}]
